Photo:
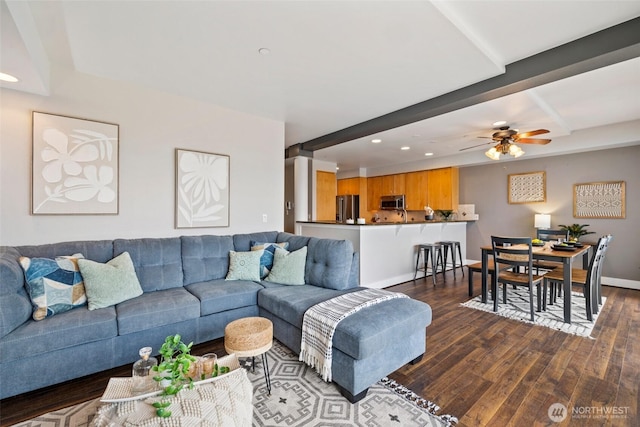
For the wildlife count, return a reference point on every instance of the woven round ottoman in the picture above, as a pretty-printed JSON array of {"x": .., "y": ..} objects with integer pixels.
[{"x": 250, "y": 337}]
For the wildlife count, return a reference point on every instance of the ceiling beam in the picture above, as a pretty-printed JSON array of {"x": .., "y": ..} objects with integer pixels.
[{"x": 603, "y": 48}]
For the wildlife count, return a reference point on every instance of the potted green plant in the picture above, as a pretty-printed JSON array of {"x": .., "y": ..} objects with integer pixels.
[
  {"x": 445, "y": 213},
  {"x": 172, "y": 371},
  {"x": 576, "y": 230}
]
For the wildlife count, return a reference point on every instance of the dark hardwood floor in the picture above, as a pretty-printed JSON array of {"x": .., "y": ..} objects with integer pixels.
[{"x": 484, "y": 369}]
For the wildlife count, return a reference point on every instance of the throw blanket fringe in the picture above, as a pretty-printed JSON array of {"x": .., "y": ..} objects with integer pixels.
[{"x": 320, "y": 322}]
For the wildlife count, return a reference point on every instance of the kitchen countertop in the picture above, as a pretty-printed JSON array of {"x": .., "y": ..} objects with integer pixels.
[{"x": 434, "y": 221}]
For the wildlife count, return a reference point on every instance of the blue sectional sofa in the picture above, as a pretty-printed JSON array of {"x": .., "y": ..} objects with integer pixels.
[{"x": 185, "y": 292}]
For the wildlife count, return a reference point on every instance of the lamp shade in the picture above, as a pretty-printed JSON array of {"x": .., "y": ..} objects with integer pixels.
[{"x": 542, "y": 221}]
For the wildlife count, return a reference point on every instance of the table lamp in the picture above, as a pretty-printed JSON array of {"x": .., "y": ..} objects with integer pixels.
[{"x": 542, "y": 221}]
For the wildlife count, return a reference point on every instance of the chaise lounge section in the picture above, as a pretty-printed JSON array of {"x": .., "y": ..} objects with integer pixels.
[{"x": 185, "y": 292}]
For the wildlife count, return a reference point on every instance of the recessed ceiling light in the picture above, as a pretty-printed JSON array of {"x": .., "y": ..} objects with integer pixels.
[
  {"x": 8, "y": 78},
  {"x": 405, "y": 148},
  {"x": 500, "y": 123},
  {"x": 428, "y": 154},
  {"x": 264, "y": 51},
  {"x": 376, "y": 141}
]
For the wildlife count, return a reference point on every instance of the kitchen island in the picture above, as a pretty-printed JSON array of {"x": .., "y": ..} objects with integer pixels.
[{"x": 388, "y": 250}]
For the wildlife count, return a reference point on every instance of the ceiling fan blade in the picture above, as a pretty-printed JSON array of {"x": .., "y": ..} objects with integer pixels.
[
  {"x": 528, "y": 134},
  {"x": 479, "y": 145},
  {"x": 486, "y": 137},
  {"x": 533, "y": 141}
]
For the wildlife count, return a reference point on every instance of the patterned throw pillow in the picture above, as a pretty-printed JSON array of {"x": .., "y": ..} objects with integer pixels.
[
  {"x": 54, "y": 285},
  {"x": 111, "y": 283},
  {"x": 266, "y": 261},
  {"x": 244, "y": 265},
  {"x": 288, "y": 267}
]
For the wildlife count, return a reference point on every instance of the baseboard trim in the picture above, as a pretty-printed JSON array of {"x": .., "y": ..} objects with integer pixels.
[{"x": 621, "y": 283}]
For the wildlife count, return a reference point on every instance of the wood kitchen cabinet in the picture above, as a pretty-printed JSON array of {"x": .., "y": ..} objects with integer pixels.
[
  {"x": 442, "y": 188},
  {"x": 325, "y": 196},
  {"x": 393, "y": 184},
  {"x": 416, "y": 187},
  {"x": 374, "y": 192},
  {"x": 348, "y": 186}
]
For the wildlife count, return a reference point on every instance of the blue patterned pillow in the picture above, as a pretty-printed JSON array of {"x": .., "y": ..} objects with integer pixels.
[
  {"x": 54, "y": 285},
  {"x": 266, "y": 260}
]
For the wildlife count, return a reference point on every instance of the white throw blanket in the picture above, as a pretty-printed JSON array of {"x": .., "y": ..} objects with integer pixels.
[{"x": 320, "y": 322}]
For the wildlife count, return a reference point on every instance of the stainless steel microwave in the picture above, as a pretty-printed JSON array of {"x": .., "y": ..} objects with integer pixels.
[{"x": 395, "y": 202}]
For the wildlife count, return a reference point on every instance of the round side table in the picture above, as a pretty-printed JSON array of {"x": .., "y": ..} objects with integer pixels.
[{"x": 250, "y": 337}]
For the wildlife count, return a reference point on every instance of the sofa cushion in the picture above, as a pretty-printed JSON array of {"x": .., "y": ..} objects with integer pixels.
[
  {"x": 242, "y": 242},
  {"x": 157, "y": 308},
  {"x": 329, "y": 263},
  {"x": 382, "y": 327},
  {"x": 244, "y": 265},
  {"x": 266, "y": 260},
  {"x": 290, "y": 302},
  {"x": 220, "y": 295},
  {"x": 96, "y": 250},
  {"x": 205, "y": 257},
  {"x": 111, "y": 283},
  {"x": 295, "y": 242},
  {"x": 54, "y": 285},
  {"x": 158, "y": 262},
  {"x": 288, "y": 267},
  {"x": 75, "y": 327},
  {"x": 15, "y": 306},
  {"x": 363, "y": 333}
]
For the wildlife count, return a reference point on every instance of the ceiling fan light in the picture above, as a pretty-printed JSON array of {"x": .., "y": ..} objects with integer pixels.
[
  {"x": 493, "y": 154},
  {"x": 519, "y": 153},
  {"x": 513, "y": 149}
]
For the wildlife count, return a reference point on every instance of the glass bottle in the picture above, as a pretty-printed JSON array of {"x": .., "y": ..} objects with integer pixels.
[{"x": 142, "y": 376}]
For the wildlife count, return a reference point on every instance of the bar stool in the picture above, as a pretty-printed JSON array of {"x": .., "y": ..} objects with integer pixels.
[
  {"x": 429, "y": 251},
  {"x": 452, "y": 244}
]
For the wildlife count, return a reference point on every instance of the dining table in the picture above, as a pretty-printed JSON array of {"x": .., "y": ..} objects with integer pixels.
[{"x": 565, "y": 255}]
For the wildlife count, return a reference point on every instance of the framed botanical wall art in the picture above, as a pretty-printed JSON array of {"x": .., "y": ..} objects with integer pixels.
[
  {"x": 202, "y": 189},
  {"x": 599, "y": 200},
  {"x": 74, "y": 166},
  {"x": 527, "y": 187}
]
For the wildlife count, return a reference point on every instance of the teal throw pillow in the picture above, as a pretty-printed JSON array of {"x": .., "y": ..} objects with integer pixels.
[
  {"x": 244, "y": 265},
  {"x": 266, "y": 260},
  {"x": 54, "y": 285},
  {"x": 111, "y": 283},
  {"x": 288, "y": 267}
]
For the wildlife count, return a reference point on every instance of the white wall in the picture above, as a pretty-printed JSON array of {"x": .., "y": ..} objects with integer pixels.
[{"x": 152, "y": 124}]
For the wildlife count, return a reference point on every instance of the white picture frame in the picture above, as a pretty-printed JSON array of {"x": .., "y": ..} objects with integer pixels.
[
  {"x": 202, "y": 189},
  {"x": 75, "y": 166}
]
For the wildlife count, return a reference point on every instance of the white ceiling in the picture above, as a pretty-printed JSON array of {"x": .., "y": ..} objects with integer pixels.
[{"x": 333, "y": 64}]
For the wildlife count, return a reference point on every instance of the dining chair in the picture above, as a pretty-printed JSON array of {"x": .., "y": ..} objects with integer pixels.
[
  {"x": 598, "y": 286},
  {"x": 549, "y": 235},
  {"x": 512, "y": 255},
  {"x": 586, "y": 279}
]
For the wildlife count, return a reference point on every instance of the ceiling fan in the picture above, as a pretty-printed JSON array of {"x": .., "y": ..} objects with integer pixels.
[{"x": 507, "y": 138}]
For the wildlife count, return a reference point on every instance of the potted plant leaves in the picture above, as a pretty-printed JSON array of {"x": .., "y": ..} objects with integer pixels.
[
  {"x": 446, "y": 214},
  {"x": 173, "y": 371},
  {"x": 576, "y": 230}
]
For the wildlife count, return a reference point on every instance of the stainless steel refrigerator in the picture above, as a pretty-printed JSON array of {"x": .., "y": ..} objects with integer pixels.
[{"x": 347, "y": 207}]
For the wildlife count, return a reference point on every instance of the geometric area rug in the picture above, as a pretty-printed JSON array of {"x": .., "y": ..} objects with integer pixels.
[
  {"x": 299, "y": 397},
  {"x": 517, "y": 307}
]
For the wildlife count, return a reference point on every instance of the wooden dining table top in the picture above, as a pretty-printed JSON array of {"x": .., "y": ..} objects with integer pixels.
[{"x": 547, "y": 250}]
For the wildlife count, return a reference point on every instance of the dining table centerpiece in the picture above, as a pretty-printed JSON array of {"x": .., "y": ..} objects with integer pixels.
[{"x": 576, "y": 231}]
